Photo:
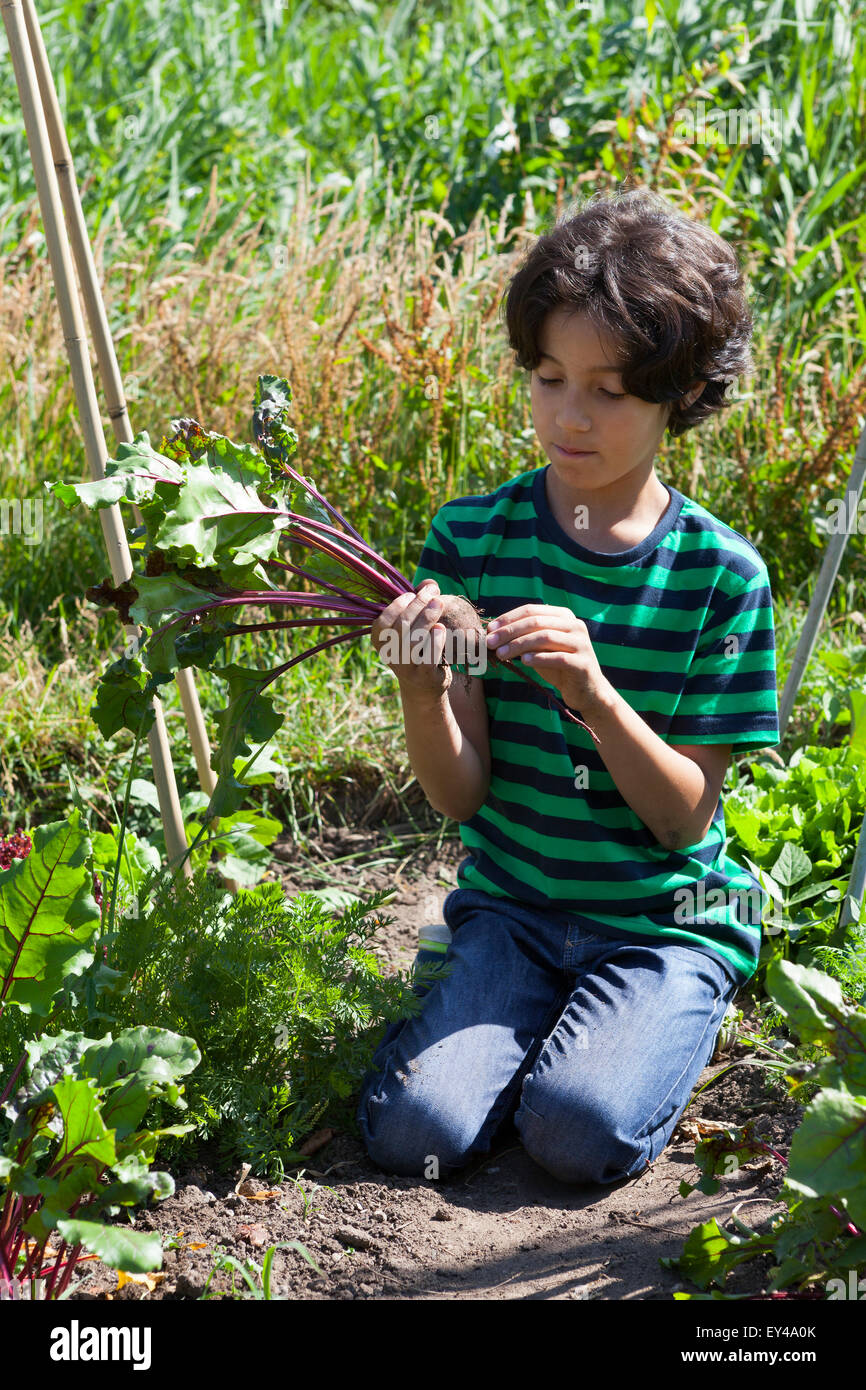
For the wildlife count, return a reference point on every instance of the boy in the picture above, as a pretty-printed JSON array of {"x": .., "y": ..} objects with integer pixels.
[{"x": 599, "y": 930}]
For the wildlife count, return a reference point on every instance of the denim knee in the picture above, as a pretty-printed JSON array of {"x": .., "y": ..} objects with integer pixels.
[
  {"x": 592, "y": 1147},
  {"x": 404, "y": 1134}
]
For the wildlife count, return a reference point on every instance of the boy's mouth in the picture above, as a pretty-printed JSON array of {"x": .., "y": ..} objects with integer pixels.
[{"x": 574, "y": 453}]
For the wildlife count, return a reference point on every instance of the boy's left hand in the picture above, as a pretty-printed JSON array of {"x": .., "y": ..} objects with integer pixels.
[{"x": 559, "y": 649}]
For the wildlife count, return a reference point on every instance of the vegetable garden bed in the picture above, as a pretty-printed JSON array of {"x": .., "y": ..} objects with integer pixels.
[{"x": 503, "y": 1229}]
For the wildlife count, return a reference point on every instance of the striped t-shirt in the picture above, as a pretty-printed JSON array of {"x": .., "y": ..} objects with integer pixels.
[{"x": 682, "y": 627}]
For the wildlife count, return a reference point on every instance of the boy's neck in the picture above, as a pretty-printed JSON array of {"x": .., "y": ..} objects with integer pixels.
[{"x": 609, "y": 523}]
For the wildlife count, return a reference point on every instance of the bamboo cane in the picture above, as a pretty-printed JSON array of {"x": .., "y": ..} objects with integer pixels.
[
  {"x": 823, "y": 588},
  {"x": 106, "y": 356},
  {"x": 85, "y": 394}
]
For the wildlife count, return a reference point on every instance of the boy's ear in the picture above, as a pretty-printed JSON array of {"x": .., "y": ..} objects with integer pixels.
[{"x": 692, "y": 395}]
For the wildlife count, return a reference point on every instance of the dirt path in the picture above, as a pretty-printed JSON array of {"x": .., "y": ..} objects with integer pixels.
[{"x": 504, "y": 1229}]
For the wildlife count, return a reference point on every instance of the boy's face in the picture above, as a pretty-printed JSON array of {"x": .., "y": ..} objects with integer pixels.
[{"x": 577, "y": 408}]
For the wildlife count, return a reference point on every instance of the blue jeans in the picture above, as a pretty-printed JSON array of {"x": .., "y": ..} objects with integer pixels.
[{"x": 591, "y": 1045}]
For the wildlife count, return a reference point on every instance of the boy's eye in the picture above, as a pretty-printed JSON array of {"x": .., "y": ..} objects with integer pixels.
[{"x": 614, "y": 396}]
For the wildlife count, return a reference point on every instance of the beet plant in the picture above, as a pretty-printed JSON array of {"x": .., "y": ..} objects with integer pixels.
[
  {"x": 74, "y": 1149},
  {"x": 226, "y": 527}
]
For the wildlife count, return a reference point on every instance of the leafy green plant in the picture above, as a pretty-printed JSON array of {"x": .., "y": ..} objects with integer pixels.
[
  {"x": 72, "y": 1147},
  {"x": 812, "y": 802},
  {"x": 796, "y": 826},
  {"x": 284, "y": 1001},
  {"x": 820, "y": 1235}
]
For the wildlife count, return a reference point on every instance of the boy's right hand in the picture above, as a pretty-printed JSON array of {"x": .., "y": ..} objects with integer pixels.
[{"x": 392, "y": 637}]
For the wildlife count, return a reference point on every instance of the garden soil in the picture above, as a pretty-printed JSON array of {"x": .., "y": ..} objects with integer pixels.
[{"x": 503, "y": 1228}]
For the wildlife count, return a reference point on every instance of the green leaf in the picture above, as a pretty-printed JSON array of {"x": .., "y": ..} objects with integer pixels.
[
  {"x": 854, "y": 1201},
  {"x": 858, "y": 713},
  {"x": 812, "y": 891},
  {"x": 812, "y": 1000},
  {"x": 792, "y": 865},
  {"x": 135, "y": 474},
  {"x": 136, "y": 1252},
  {"x": 261, "y": 773},
  {"x": 139, "y": 857},
  {"x": 59, "y": 1195},
  {"x": 334, "y": 897},
  {"x": 272, "y": 401},
  {"x": 155, "y": 1053},
  {"x": 707, "y": 1255},
  {"x": 49, "y": 1058},
  {"x": 135, "y": 1185},
  {"x": 243, "y": 842},
  {"x": 242, "y": 462},
  {"x": 248, "y": 714},
  {"x": 201, "y": 645},
  {"x": 160, "y": 600},
  {"x": 124, "y": 697},
  {"x": 85, "y": 1134},
  {"x": 746, "y": 823},
  {"x": 827, "y": 1150},
  {"x": 217, "y": 521},
  {"x": 48, "y": 916}
]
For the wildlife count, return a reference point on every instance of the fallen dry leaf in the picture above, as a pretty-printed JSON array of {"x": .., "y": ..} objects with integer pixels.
[
  {"x": 150, "y": 1281},
  {"x": 316, "y": 1141},
  {"x": 699, "y": 1129},
  {"x": 255, "y": 1235}
]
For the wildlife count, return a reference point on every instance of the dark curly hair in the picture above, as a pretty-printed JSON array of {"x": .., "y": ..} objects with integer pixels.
[{"x": 669, "y": 290}]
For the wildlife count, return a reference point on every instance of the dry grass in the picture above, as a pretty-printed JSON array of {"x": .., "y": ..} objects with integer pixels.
[
  {"x": 393, "y": 348},
  {"x": 354, "y": 319}
]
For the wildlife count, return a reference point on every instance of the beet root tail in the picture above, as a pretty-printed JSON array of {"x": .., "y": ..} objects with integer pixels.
[{"x": 551, "y": 699}]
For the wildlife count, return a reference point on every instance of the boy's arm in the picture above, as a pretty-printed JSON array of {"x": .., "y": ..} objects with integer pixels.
[
  {"x": 446, "y": 728},
  {"x": 714, "y": 759},
  {"x": 674, "y": 788},
  {"x": 448, "y": 744}
]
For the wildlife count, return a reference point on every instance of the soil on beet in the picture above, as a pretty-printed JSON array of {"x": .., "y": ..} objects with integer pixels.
[{"x": 503, "y": 1229}]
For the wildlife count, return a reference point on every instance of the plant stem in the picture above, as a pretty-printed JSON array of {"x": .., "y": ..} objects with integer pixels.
[{"x": 7, "y": 1091}]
